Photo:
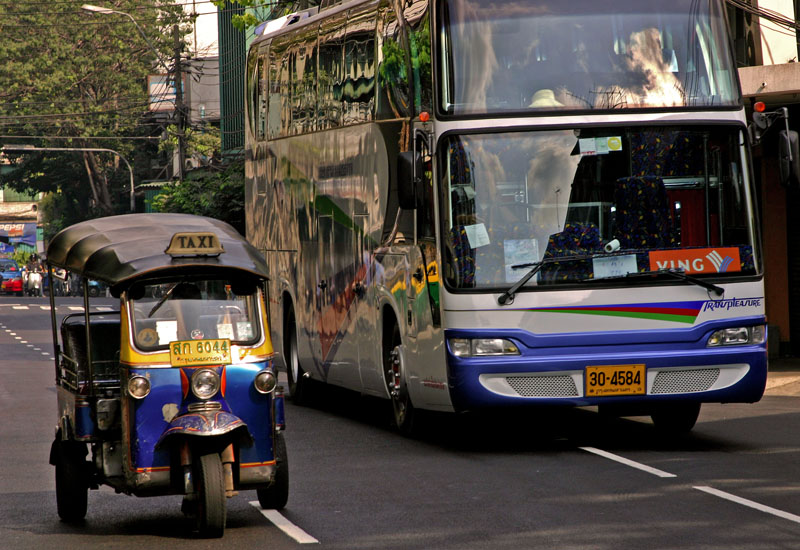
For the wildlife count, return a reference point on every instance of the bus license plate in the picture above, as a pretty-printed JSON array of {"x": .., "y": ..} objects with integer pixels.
[
  {"x": 190, "y": 353},
  {"x": 613, "y": 380}
]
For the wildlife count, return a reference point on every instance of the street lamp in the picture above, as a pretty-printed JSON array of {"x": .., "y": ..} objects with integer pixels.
[
  {"x": 178, "y": 80},
  {"x": 97, "y": 9},
  {"x": 31, "y": 148}
]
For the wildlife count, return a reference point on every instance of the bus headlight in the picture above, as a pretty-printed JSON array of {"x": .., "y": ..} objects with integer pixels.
[
  {"x": 205, "y": 383},
  {"x": 138, "y": 387},
  {"x": 738, "y": 336},
  {"x": 265, "y": 381},
  {"x": 482, "y": 347}
]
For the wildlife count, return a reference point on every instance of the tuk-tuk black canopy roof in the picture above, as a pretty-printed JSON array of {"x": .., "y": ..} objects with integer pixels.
[{"x": 120, "y": 249}]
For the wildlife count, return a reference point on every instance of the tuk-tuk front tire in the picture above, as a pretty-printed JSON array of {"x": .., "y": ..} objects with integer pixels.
[
  {"x": 211, "y": 500},
  {"x": 72, "y": 488},
  {"x": 276, "y": 495}
]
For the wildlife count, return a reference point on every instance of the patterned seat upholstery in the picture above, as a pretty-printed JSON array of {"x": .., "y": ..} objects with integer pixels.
[
  {"x": 463, "y": 256},
  {"x": 574, "y": 240},
  {"x": 642, "y": 219}
]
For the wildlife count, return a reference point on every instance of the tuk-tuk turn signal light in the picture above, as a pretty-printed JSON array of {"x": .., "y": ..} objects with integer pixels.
[
  {"x": 138, "y": 387},
  {"x": 265, "y": 381}
]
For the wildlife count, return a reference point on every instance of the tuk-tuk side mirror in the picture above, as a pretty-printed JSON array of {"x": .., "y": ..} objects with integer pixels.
[
  {"x": 409, "y": 169},
  {"x": 789, "y": 151}
]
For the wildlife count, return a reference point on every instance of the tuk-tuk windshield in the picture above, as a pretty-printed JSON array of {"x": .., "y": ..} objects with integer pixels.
[{"x": 193, "y": 310}]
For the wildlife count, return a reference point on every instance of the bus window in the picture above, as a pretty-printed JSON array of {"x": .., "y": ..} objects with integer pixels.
[
  {"x": 331, "y": 72},
  {"x": 397, "y": 96},
  {"x": 515, "y": 56},
  {"x": 304, "y": 82},
  {"x": 358, "y": 91}
]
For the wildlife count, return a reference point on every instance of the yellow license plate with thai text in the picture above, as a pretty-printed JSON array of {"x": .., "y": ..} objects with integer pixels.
[
  {"x": 614, "y": 380},
  {"x": 190, "y": 353}
]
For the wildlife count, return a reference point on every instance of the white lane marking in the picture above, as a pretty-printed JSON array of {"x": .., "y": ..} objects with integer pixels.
[
  {"x": 285, "y": 525},
  {"x": 104, "y": 308},
  {"x": 631, "y": 463},
  {"x": 750, "y": 503},
  {"x": 17, "y": 337},
  {"x": 20, "y": 307},
  {"x": 23, "y": 341},
  {"x": 46, "y": 308},
  {"x": 75, "y": 308},
  {"x": 11, "y": 333},
  {"x": 45, "y": 353}
]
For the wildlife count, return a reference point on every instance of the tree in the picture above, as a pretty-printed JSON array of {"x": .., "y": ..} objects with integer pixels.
[
  {"x": 70, "y": 74},
  {"x": 217, "y": 195}
]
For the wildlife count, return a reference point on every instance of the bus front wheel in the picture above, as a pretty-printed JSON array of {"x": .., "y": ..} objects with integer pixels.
[
  {"x": 676, "y": 418},
  {"x": 395, "y": 376},
  {"x": 298, "y": 380}
]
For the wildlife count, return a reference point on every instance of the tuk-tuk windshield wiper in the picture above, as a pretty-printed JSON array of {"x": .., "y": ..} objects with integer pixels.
[
  {"x": 163, "y": 299},
  {"x": 671, "y": 272}
]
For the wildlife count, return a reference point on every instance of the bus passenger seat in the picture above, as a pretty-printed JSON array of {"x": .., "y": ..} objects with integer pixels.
[
  {"x": 642, "y": 216},
  {"x": 575, "y": 240},
  {"x": 463, "y": 255}
]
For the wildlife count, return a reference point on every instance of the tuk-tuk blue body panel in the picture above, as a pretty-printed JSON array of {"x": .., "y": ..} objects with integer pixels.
[{"x": 165, "y": 413}]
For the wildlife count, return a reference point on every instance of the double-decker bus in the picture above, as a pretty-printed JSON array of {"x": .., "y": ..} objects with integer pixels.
[{"x": 468, "y": 205}]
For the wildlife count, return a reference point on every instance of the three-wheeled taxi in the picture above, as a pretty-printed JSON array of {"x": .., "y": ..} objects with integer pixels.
[{"x": 175, "y": 393}]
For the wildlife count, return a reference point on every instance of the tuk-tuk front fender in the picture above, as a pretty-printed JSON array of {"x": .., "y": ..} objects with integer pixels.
[{"x": 207, "y": 424}]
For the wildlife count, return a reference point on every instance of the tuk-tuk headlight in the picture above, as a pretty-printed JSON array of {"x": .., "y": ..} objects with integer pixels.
[
  {"x": 205, "y": 383},
  {"x": 138, "y": 387},
  {"x": 265, "y": 381}
]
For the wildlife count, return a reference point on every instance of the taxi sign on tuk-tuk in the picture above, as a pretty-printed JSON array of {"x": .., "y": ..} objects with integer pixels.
[
  {"x": 194, "y": 244},
  {"x": 176, "y": 391}
]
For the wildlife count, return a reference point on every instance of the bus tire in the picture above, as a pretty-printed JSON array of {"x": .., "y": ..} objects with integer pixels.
[
  {"x": 211, "y": 499},
  {"x": 276, "y": 495},
  {"x": 298, "y": 381},
  {"x": 404, "y": 414},
  {"x": 71, "y": 484},
  {"x": 676, "y": 418}
]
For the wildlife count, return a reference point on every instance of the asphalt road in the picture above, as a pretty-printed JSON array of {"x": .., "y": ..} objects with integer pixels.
[{"x": 566, "y": 479}]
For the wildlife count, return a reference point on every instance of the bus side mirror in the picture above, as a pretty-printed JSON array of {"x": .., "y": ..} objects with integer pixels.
[
  {"x": 789, "y": 152},
  {"x": 409, "y": 169}
]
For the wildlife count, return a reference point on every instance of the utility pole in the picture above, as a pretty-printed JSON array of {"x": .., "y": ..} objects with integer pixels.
[{"x": 180, "y": 111}]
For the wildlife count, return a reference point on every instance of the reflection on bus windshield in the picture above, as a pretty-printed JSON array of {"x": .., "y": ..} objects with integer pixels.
[
  {"x": 642, "y": 198},
  {"x": 513, "y": 56}
]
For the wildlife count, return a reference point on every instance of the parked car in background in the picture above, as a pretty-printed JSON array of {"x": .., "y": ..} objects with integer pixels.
[{"x": 12, "y": 277}]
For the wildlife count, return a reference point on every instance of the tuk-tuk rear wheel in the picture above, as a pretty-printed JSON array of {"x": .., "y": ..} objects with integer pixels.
[
  {"x": 211, "y": 500},
  {"x": 71, "y": 487},
  {"x": 276, "y": 495}
]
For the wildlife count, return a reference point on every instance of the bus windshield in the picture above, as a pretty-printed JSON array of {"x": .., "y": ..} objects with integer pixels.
[
  {"x": 595, "y": 203},
  {"x": 522, "y": 55}
]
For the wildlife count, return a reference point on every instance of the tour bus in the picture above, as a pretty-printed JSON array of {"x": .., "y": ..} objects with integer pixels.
[{"x": 468, "y": 205}]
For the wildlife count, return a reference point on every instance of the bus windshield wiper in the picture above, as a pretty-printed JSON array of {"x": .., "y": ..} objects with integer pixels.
[
  {"x": 670, "y": 272},
  {"x": 507, "y": 297}
]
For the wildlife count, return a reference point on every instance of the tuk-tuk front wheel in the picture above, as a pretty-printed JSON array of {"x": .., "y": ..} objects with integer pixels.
[
  {"x": 71, "y": 484},
  {"x": 276, "y": 495},
  {"x": 211, "y": 499}
]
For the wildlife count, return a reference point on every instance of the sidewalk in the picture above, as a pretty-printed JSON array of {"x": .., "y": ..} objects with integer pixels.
[{"x": 784, "y": 376}]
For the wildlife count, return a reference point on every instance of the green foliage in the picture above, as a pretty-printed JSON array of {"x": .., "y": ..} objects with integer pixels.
[
  {"x": 21, "y": 257},
  {"x": 205, "y": 142},
  {"x": 214, "y": 194},
  {"x": 71, "y": 74}
]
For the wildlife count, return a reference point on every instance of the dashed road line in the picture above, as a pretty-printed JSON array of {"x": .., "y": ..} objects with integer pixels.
[
  {"x": 749, "y": 503},
  {"x": 627, "y": 462},
  {"x": 285, "y": 525}
]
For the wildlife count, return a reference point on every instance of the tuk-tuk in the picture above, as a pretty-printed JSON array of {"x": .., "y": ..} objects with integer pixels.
[{"x": 174, "y": 393}]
